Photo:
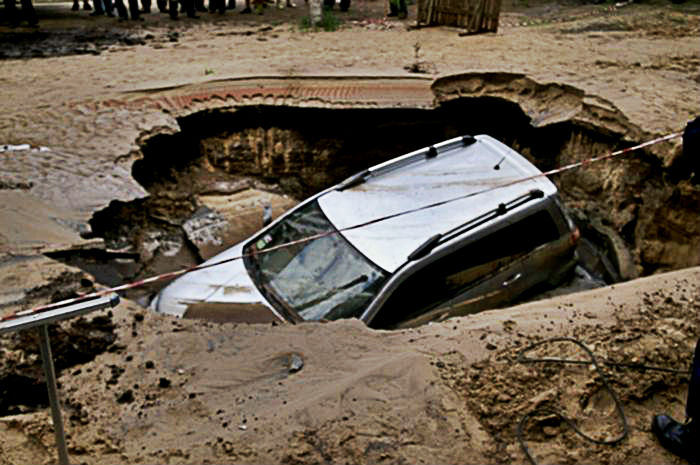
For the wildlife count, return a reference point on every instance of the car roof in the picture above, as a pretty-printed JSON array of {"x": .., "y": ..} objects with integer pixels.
[{"x": 477, "y": 170}]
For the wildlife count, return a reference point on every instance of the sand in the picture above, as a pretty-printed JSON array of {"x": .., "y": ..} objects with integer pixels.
[{"x": 171, "y": 391}]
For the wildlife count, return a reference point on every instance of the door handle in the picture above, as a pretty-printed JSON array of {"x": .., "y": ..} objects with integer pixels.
[{"x": 511, "y": 280}]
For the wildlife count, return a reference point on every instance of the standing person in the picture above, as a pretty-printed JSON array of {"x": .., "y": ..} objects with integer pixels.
[
  {"x": 76, "y": 5},
  {"x": 398, "y": 8},
  {"x": 683, "y": 439},
  {"x": 217, "y": 5},
  {"x": 186, "y": 6},
  {"x": 103, "y": 7},
  {"x": 133, "y": 9},
  {"x": 27, "y": 13},
  {"x": 189, "y": 7},
  {"x": 691, "y": 146}
]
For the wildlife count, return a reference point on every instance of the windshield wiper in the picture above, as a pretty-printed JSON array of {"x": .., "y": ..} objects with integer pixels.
[
  {"x": 335, "y": 290},
  {"x": 286, "y": 310}
]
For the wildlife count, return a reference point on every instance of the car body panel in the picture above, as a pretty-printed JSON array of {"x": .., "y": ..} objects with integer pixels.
[
  {"x": 227, "y": 283},
  {"x": 459, "y": 172}
]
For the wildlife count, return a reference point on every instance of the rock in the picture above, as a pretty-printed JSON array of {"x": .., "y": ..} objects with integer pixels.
[
  {"x": 126, "y": 397},
  {"x": 296, "y": 363}
]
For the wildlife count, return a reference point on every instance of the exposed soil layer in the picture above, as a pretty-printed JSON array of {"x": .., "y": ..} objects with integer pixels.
[
  {"x": 502, "y": 390},
  {"x": 620, "y": 205},
  {"x": 73, "y": 342},
  {"x": 186, "y": 391}
]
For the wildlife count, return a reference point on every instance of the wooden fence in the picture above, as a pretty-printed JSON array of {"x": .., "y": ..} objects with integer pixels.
[{"x": 475, "y": 16}]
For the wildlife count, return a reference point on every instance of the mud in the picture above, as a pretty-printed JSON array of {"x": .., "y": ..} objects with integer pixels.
[
  {"x": 571, "y": 79},
  {"x": 39, "y": 44}
]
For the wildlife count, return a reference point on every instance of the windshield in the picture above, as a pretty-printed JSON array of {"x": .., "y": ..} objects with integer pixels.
[{"x": 323, "y": 278}]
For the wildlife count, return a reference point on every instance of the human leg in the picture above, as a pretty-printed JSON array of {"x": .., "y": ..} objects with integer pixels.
[
  {"x": 134, "y": 9},
  {"x": 681, "y": 438},
  {"x": 109, "y": 8},
  {"x": 172, "y": 9},
  {"x": 29, "y": 13},
  {"x": 189, "y": 8},
  {"x": 11, "y": 12},
  {"x": 121, "y": 10},
  {"x": 692, "y": 406},
  {"x": 99, "y": 10}
]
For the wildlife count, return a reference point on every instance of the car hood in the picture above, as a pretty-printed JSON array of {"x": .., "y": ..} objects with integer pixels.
[{"x": 223, "y": 293}]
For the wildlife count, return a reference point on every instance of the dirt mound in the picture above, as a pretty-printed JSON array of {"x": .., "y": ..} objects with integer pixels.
[
  {"x": 504, "y": 390},
  {"x": 180, "y": 391}
]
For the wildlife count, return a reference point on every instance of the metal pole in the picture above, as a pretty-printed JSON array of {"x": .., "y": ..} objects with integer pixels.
[
  {"x": 50, "y": 374},
  {"x": 41, "y": 320}
]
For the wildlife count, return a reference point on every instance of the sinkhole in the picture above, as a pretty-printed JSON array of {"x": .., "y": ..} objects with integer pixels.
[{"x": 637, "y": 214}]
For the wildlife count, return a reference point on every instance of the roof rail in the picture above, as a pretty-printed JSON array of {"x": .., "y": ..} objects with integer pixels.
[
  {"x": 425, "y": 153},
  {"x": 426, "y": 247}
]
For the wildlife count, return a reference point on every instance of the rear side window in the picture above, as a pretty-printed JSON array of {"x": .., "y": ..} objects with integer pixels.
[{"x": 456, "y": 272}]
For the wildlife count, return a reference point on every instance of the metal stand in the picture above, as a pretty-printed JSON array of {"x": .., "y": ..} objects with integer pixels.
[
  {"x": 50, "y": 374},
  {"x": 41, "y": 321}
]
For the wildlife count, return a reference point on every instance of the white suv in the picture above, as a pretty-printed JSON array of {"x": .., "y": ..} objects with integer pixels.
[{"x": 452, "y": 229}]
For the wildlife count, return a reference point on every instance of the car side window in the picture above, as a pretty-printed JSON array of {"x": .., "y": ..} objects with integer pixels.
[{"x": 451, "y": 275}]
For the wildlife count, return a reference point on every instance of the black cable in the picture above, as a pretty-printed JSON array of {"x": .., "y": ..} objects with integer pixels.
[
  {"x": 636, "y": 366},
  {"x": 593, "y": 361}
]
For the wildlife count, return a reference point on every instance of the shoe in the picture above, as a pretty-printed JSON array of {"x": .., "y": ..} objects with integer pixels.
[
  {"x": 246, "y": 10},
  {"x": 86, "y": 6},
  {"x": 75, "y": 7},
  {"x": 678, "y": 438},
  {"x": 96, "y": 13}
]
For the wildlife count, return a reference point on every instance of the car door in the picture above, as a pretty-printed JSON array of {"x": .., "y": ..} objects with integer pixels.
[
  {"x": 484, "y": 286},
  {"x": 485, "y": 273}
]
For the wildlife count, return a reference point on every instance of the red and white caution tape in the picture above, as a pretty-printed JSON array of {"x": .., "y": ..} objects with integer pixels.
[{"x": 174, "y": 274}]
